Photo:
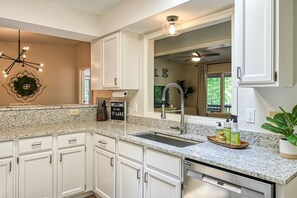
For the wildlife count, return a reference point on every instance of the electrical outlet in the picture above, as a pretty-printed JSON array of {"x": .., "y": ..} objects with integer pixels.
[
  {"x": 74, "y": 112},
  {"x": 250, "y": 115},
  {"x": 135, "y": 107}
]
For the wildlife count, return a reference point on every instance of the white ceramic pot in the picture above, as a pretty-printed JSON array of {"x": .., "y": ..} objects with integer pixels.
[{"x": 287, "y": 150}]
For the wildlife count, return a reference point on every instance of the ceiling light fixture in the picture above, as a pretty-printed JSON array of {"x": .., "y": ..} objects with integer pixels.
[
  {"x": 172, "y": 27},
  {"x": 21, "y": 59},
  {"x": 196, "y": 59}
]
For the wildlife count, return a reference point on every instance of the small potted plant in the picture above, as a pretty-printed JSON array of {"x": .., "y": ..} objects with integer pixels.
[
  {"x": 185, "y": 85},
  {"x": 284, "y": 123}
]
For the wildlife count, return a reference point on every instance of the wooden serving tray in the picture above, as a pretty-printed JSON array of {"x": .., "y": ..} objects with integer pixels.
[{"x": 242, "y": 145}]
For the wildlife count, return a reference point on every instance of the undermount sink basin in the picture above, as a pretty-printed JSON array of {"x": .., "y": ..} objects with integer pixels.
[{"x": 167, "y": 139}]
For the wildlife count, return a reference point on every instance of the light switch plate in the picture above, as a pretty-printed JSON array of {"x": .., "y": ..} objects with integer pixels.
[
  {"x": 250, "y": 115},
  {"x": 74, "y": 112}
]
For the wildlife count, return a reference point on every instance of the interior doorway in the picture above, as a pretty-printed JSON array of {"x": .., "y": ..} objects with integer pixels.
[{"x": 85, "y": 86}]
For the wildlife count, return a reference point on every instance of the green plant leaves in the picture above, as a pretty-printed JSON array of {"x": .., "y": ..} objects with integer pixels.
[
  {"x": 283, "y": 123},
  {"x": 274, "y": 129},
  {"x": 292, "y": 138}
]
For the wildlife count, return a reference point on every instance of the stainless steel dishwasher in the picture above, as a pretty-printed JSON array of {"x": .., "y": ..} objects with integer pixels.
[{"x": 203, "y": 181}]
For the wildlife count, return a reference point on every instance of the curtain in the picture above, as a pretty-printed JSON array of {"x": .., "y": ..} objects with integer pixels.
[{"x": 201, "y": 90}]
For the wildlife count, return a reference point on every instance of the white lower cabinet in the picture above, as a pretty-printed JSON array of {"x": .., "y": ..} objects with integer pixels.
[
  {"x": 35, "y": 175},
  {"x": 129, "y": 179},
  {"x": 104, "y": 175},
  {"x": 71, "y": 171},
  {"x": 158, "y": 185},
  {"x": 6, "y": 178}
]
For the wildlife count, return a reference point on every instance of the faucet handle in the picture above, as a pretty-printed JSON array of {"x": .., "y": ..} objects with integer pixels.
[{"x": 176, "y": 128}]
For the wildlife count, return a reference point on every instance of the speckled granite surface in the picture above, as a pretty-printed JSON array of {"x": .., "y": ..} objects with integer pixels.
[
  {"x": 255, "y": 161},
  {"x": 43, "y": 114},
  {"x": 268, "y": 140}
]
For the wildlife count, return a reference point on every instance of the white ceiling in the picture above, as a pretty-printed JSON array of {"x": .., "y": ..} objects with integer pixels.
[
  {"x": 91, "y": 6},
  {"x": 11, "y": 35},
  {"x": 191, "y": 10}
]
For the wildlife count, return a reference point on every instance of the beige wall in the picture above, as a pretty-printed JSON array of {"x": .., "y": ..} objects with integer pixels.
[
  {"x": 59, "y": 75},
  {"x": 175, "y": 72},
  {"x": 83, "y": 58}
]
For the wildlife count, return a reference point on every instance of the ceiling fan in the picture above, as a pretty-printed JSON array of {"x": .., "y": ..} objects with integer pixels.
[{"x": 196, "y": 56}]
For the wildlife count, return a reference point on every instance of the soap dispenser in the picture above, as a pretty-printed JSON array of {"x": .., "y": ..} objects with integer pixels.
[
  {"x": 227, "y": 131},
  {"x": 220, "y": 132},
  {"x": 235, "y": 135}
]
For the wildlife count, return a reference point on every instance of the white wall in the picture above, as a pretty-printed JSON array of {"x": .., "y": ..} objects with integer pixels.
[
  {"x": 264, "y": 100},
  {"x": 49, "y": 18},
  {"x": 131, "y": 11}
]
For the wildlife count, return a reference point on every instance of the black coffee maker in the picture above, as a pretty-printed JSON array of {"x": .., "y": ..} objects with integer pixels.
[{"x": 102, "y": 109}]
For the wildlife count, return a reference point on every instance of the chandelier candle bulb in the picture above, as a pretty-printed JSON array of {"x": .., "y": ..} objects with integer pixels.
[{"x": 22, "y": 61}]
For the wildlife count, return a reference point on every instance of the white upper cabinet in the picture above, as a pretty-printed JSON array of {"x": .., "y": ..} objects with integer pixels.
[
  {"x": 264, "y": 42},
  {"x": 115, "y": 62}
]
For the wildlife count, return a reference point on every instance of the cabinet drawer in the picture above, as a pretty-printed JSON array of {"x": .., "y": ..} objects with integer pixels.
[
  {"x": 104, "y": 142},
  {"x": 164, "y": 162},
  {"x": 71, "y": 140},
  {"x": 35, "y": 144},
  {"x": 131, "y": 151},
  {"x": 6, "y": 149}
]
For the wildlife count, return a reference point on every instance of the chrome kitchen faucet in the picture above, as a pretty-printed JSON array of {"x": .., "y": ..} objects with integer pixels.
[{"x": 181, "y": 127}]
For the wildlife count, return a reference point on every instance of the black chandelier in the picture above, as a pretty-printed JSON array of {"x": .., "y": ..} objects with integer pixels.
[{"x": 21, "y": 59}]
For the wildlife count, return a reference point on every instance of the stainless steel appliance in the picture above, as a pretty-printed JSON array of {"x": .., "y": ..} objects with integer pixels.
[{"x": 203, "y": 181}]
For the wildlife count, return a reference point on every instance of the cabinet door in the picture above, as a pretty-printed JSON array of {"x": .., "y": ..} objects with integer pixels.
[
  {"x": 161, "y": 185},
  {"x": 71, "y": 171},
  {"x": 110, "y": 47},
  {"x": 96, "y": 68},
  {"x": 129, "y": 179},
  {"x": 104, "y": 163},
  {"x": 36, "y": 175},
  {"x": 6, "y": 178},
  {"x": 254, "y": 38}
]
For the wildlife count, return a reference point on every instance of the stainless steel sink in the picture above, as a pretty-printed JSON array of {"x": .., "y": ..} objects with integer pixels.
[{"x": 167, "y": 139}]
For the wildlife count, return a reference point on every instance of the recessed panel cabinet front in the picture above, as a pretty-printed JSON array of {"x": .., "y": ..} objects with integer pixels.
[
  {"x": 110, "y": 61},
  {"x": 35, "y": 175},
  {"x": 6, "y": 178},
  {"x": 264, "y": 42},
  {"x": 104, "y": 165},
  {"x": 129, "y": 179},
  {"x": 159, "y": 185},
  {"x": 71, "y": 171}
]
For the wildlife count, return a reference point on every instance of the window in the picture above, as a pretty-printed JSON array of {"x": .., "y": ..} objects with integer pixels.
[
  {"x": 219, "y": 87},
  {"x": 85, "y": 86}
]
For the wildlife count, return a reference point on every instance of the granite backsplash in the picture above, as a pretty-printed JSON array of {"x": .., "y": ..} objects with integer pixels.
[{"x": 37, "y": 115}]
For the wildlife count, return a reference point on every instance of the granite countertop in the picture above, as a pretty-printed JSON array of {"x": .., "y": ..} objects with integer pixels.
[
  {"x": 254, "y": 161},
  {"x": 40, "y": 107}
]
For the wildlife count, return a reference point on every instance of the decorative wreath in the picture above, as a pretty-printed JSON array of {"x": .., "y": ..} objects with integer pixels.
[{"x": 24, "y": 86}]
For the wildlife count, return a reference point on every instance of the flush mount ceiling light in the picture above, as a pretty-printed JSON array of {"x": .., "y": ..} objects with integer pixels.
[
  {"x": 172, "y": 27},
  {"x": 21, "y": 59}
]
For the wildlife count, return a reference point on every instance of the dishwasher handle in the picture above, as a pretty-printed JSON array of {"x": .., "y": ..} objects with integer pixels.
[
  {"x": 224, "y": 184},
  {"x": 214, "y": 181}
]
